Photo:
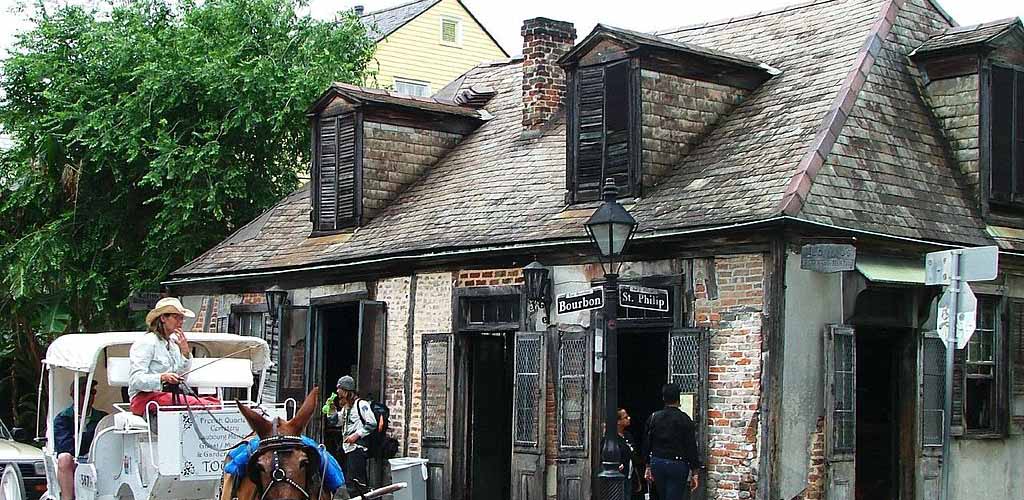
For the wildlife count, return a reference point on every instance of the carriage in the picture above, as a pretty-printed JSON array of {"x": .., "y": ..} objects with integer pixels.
[{"x": 175, "y": 452}]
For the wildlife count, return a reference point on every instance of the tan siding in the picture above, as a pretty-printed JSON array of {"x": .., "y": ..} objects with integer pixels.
[{"x": 415, "y": 52}]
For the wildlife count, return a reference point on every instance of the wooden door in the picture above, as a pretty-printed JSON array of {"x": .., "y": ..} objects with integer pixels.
[
  {"x": 574, "y": 390},
  {"x": 528, "y": 397},
  {"x": 688, "y": 367},
  {"x": 437, "y": 411},
  {"x": 840, "y": 412},
  {"x": 372, "y": 324}
]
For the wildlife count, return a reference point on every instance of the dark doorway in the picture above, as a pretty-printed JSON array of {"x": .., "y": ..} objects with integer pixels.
[
  {"x": 340, "y": 331},
  {"x": 878, "y": 416},
  {"x": 489, "y": 439},
  {"x": 643, "y": 370}
]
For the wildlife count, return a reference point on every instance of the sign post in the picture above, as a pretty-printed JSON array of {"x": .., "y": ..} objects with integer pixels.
[{"x": 956, "y": 316}]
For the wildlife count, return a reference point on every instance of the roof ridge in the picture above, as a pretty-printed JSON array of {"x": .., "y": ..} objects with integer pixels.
[
  {"x": 393, "y": 7},
  {"x": 755, "y": 15},
  {"x": 800, "y": 183}
]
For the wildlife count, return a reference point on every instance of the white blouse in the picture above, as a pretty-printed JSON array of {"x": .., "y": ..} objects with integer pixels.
[{"x": 151, "y": 356}]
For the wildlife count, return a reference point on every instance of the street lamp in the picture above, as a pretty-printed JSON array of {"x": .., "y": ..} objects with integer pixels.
[
  {"x": 276, "y": 297},
  {"x": 610, "y": 228},
  {"x": 538, "y": 287}
]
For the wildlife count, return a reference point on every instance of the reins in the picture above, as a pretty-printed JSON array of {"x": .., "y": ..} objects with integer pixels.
[{"x": 274, "y": 445}]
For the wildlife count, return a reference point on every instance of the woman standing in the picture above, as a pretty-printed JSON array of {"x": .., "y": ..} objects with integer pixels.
[{"x": 160, "y": 357}]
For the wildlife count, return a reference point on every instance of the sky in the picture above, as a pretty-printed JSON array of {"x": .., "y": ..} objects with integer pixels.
[{"x": 503, "y": 18}]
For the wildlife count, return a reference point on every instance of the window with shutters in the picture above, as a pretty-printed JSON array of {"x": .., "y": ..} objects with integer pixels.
[
  {"x": 602, "y": 144},
  {"x": 979, "y": 390},
  {"x": 1006, "y": 133},
  {"x": 336, "y": 173}
]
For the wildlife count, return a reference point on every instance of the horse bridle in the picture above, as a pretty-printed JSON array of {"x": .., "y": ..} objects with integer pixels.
[{"x": 276, "y": 444}]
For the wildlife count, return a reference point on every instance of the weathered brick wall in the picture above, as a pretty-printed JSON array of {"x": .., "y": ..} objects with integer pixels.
[
  {"x": 732, "y": 310},
  {"x": 676, "y": 113},
  {"x": 490, "y": 277},
  {"x": 955, "y": 103},
  {"x": 394, "y": 157},
  {"x": 816, "y": 469},
  {"x": 433, "y": 314},
  {"x": 544, "y": 41},
  {"x": 395, "y": 293}
]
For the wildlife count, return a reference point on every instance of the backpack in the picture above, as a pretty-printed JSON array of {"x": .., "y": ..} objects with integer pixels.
[{"x": 378, "y": 443}]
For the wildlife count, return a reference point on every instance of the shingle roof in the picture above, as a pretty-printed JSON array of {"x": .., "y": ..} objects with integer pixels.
[
  {"x": 379, "y": 24},
  {"x": 499, "y": 187},
  {"x": 965, "y": 36},
  {"x": 391, "y": 98}
]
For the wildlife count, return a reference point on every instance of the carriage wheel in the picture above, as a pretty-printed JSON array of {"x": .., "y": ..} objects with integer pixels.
[{"x": 11, "y": 485}]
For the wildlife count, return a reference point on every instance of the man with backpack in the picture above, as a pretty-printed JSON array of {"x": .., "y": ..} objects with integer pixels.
[{"x": 355, "y": 416}]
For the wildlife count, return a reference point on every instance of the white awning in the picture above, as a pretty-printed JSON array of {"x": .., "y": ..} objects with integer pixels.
[{"x": 80, "y": 351}]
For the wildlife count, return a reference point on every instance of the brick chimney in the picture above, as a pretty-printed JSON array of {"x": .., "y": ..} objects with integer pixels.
[{"x": 544, "y": 41}]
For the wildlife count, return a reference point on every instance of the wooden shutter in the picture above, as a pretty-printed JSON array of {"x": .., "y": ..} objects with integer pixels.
[
  {"x": 1016, "y": 341},
  {"x": 590, "y": 134},
  {"x": 528, "y": 457},
  {"x": 933, "y": 389},
  {"x": 617, "y": 112},
  {"x": 840, "y": 412},
  {"x": 1003, "y": 182},
  {"x": 336, "y": 189},
  {"x": 1018, "y": 127}
]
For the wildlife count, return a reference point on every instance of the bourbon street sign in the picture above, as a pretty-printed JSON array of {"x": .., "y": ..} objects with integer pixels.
[
  {"x": 579, "y": 301},
  {"x": 638, "y": 297}
]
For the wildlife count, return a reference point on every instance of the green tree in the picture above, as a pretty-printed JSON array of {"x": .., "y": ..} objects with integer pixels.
[{"x": 144, "y": 133}]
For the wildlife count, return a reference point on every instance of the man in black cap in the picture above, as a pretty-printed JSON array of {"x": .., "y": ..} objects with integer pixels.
[
  {"x": 671, "y": 444},
  {"x": 64, "y": 435},
  {"x": 355, "y": 417}
]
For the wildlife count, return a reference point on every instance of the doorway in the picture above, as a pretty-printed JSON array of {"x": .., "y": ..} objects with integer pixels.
[
  {"x": 340, "y": 334},
  {"x": 643, "y": 370},
  {"x": 879, "y": 429},
  {"x": 488, "y": 380}
]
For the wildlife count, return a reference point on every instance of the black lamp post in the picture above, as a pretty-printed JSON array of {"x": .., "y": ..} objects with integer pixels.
[
  {"x": 276, "y": 298},
  {"x": 610, "y": 228},
  {"x": 538, "y": 287}
]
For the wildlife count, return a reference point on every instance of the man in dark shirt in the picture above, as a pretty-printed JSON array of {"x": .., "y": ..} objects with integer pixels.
[
  {"x": 64, "y": 436},
  {"x": 671, "y": 448}
]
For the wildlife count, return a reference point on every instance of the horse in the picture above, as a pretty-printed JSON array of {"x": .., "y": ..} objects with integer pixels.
[{"x": 284, "y": 466}]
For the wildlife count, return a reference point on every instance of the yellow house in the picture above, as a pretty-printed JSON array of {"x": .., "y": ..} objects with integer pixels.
[{"x": 425, "y": 44}]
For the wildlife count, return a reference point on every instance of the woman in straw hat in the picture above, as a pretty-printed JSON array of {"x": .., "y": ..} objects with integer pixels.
[{"x": 159, "y": 357}]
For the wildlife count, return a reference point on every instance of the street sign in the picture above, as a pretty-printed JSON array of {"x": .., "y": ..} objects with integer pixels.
[
  {"x": 828, "y": 257},
  {"x": 966, "y": 309},
  {"x": 976, "y": 264},
  {"x": 579, "y": 301},
  {"x": 638, "y": 297}
]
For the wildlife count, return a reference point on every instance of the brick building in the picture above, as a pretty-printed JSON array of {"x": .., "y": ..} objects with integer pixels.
[{"x": 758, "y": 154}]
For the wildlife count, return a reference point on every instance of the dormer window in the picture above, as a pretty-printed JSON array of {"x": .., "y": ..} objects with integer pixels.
[
  {"x": 1007, "y": 135},
  {"x": 336, "y": 171},
  {"x": 602, "y": 118}
]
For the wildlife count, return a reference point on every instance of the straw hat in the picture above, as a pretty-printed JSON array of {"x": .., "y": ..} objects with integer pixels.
[{"x": 168, "y": 305}]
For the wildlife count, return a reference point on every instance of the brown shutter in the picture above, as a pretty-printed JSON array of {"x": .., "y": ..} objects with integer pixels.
[
  {"x": 1017, "y": 354},
  {"x": 327, "y": 175},
  {"x": 957, "y": 426},
  {"x": 346, "y": 170},
  {"x": 590, "y": 134},
  {"x": 1018, "y": 126},
  {"x": 1002, "y": 134},
  {"x": 617, "y": 131}
]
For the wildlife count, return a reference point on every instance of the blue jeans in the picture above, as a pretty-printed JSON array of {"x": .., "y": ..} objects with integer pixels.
[{"x": 670, "y": 478}]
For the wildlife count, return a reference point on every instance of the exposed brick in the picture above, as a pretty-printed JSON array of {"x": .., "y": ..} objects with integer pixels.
[{"x": 544, "y": 41}]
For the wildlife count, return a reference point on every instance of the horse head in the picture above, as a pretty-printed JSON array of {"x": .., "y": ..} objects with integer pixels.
[{"x": 283, "y": 467}]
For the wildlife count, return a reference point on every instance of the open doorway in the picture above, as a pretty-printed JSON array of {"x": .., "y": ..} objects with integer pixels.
[
  {"x": 879, "y": 429},
  {"x": 489, "y": 436},
  {"x": 643, "y": 370},
  {"x": 340, "y": 330}
]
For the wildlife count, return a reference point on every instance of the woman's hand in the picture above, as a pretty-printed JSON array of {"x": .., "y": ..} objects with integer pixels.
[
  {"x": 352, "y": 438},
  {"x": 694, "y": 481},
  {"x": 648, "y": 475},
  {"x": 170, "y": 378},
  {"x": 179, "y": 338}
]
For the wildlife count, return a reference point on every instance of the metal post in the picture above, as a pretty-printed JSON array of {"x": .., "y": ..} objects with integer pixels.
[
  {"x": 611, "y": 481},
  {"x": 947, "y": 410}
]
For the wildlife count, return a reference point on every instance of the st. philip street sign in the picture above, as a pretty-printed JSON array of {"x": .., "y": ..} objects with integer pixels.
[
  {"x": 579, "y": 301},
  {"x": 638, "y": 297}
]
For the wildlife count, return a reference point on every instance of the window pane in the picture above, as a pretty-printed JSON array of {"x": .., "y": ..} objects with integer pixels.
[{"x": 978, "y": 406}]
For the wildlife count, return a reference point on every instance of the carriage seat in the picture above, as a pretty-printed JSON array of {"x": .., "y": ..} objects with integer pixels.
[{"x": 207, "y": 373}]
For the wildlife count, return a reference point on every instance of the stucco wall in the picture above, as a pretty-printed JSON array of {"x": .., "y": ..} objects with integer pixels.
[{"x": 812, "y": 300}]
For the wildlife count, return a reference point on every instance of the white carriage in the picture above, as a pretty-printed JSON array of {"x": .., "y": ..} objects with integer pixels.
[{"x": 175, "y": 453}]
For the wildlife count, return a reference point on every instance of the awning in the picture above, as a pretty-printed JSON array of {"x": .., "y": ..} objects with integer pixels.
[{"x": 891, "y": 269}]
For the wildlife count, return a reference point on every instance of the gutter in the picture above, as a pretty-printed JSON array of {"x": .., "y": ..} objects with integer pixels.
[{"x": 530, "y": 247}]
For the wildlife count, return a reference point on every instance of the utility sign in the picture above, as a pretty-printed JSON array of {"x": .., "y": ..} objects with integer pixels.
[
  {"x": 976, "y": 264},
  {"x": 966, "y": 309},
  {"x": 828, "y": 257},
  {"x": 579, "y": 301},
  {"x": 638, "y": 297}
]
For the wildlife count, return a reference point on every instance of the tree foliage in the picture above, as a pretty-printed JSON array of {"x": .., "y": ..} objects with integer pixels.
[{"x": 144, "y": 133}]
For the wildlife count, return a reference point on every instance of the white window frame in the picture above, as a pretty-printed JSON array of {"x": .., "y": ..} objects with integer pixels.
[
  {"x": 458, "y": 31},
  {"x": 418, "y": 83}
]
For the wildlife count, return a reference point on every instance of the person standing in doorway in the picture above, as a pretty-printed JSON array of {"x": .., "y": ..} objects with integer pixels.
[
  {"x": 671, "y": 449},
  {"x": 356, "y": 418}
]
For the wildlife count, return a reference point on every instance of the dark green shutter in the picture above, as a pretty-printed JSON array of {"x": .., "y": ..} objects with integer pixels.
[{"x": 603, "y": 124}]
